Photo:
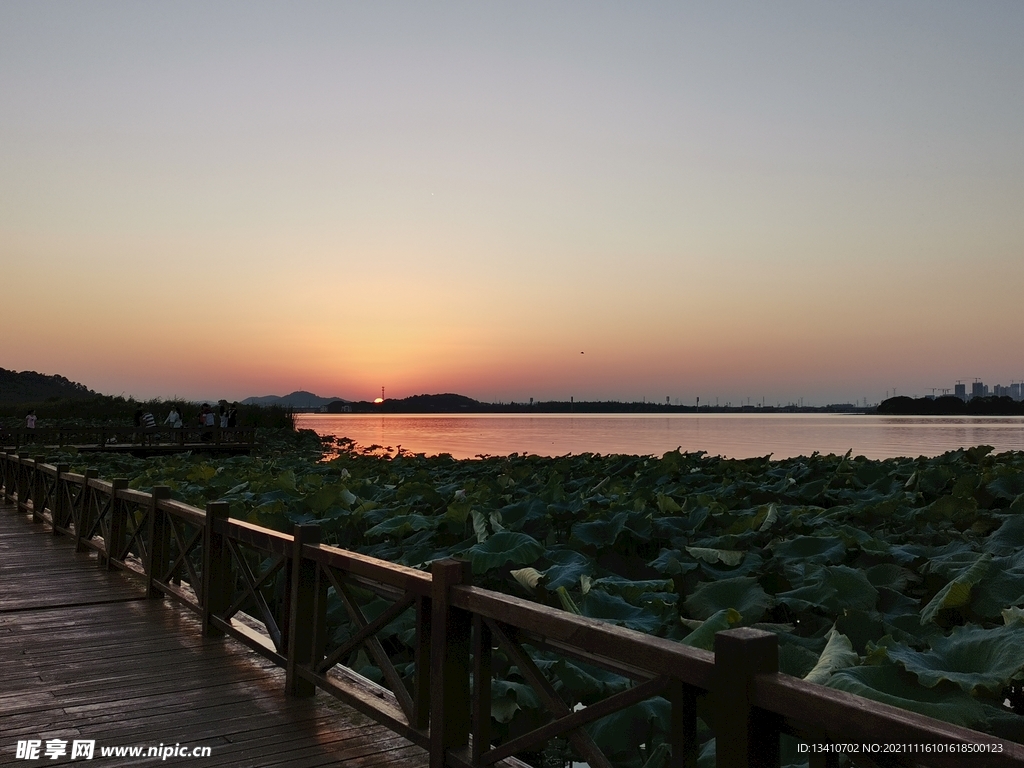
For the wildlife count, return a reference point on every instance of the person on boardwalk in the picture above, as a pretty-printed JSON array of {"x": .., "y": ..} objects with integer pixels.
[
  {"x": 173, "y": 418},
  {"x": 233, "y": 415},
  {"x": 30, "y": 420},
  {"x": 206, "y": 421},
  {"x": 223, "y": 412},
  {"x": 148, "y": 422}
]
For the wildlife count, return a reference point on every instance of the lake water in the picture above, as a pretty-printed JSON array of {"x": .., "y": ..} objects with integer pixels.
[{"x": 731, "y": 435}]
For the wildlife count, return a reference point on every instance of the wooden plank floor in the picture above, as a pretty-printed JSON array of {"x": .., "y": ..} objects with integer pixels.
[{"x": 83, "y": 655}]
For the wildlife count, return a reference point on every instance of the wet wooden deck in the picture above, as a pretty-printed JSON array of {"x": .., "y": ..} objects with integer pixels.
[{"x": 84, "y": 655}]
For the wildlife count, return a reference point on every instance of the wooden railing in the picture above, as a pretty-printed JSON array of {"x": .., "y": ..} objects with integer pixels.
[
  {"x": 105, "y": 437},
  {"x": 271, "y": 591}
]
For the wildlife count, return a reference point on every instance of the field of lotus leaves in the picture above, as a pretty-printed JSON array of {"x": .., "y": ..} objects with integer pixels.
[{"x": 900, "y": 580}]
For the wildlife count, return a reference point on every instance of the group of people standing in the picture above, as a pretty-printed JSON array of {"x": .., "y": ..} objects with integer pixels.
[{"x": 225, "y": 416}]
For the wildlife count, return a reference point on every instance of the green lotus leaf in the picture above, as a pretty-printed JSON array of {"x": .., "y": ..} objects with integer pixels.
[
  {"x": 750, "y": 566},
  {"x": 600, "y": 533},
  {"x": 957, "y": 593},
  {"x": 794, "y": 659},
  {"x": 704, "y": 635},
  {"x": 528, "y": 577},
  {"x": 508, "y": 697},
  {"x": 667, "y": 505},
  {"x": 530, "y": 510},
  {"x": 600, "y": 605},
  {"x": 771, "y": 517},
  {"x": 1008, "y": 486},
  {"x": 567, "y": 565},
  {"x": 1011, "y": 615},
  {"x": 888, "y": 684},
  {"x": 621, "y": 733},
  {"x": 838, "y": 654},
  {"x": 998, "y": 590},
  {"x": 742, "y": 593},
  {"x": 502, "y": 548},
  {"x": 672, "y": 562},
  {"x": 889, "y": 576},
  {"x": 458, "y": 512},
  {"x": 832, "y": 589},
  {"x": 632, "y": 591},
  {"x": 709, "y": 555},
  {"x": 1007, "y": 538},
  {"x": 811, "y": 549},
  {"x": 971, "y": 657},
  {"x": 401, "y": 525},
  {"x": 579, "y": 684}
]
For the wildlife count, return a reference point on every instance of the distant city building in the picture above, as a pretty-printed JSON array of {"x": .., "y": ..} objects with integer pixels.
[
  {"x": 1015, "y": 391},
  {"x": 978, "y": 389},
  {"x": 960, "y": 390}
]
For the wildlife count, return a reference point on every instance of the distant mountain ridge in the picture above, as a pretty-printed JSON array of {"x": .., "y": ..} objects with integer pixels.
[
  {"x": 298, "y": 399},
  {"x": 31, "y": 387}
]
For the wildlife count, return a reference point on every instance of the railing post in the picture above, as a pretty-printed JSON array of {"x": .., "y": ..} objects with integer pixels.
[
  {"x": 115, "y": 537},
  {"x": 59, "y": 511},
  {"x": 306, "y": 615},
  {"x": 22, "y": 482},
  {"x": 683, "y": 733},
  {"x": 421, "y": 679},
  {"x": 38, "y": 489},
  {"x": 450, "y": 631},
  {"x": 216, "y": 568},
  {"x": 159, "y": 535},
  {"x": 481, "y": 688},
  {"x": 744, "y": 738},
  {"x": 84, "y": 521}
]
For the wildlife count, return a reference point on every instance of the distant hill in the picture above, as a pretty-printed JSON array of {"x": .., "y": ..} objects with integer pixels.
[
  {"x": 29, "y": 387},
  {"x": 297, "y": 399}
]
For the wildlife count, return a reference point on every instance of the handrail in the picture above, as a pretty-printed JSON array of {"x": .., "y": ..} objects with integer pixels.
[
  {"x": 269, "y": 590},
  {"x": 98, "y": 438}
]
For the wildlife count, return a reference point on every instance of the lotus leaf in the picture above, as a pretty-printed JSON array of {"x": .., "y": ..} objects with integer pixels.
[
  {"x": 972, "y": 657},
  {"x": 600, "y": 605},
  {"x": 742, "y": 593},
  {"x": 998, "y": 590},
  {"x": 1008, "y": 538},
  {"x": 832, "y": 589},
  {"x": 890, "y": 685},
  {"x": 600, "y": 533},
  {"x": 810, "y": 549},
  {"x": 838, "y": 654},
  {"x": 622, "y": 733},
  {"x": 508, "y": 697},
  {"x": 400, "y": 526},
  {"x": 709, "y": 555},
  {"x": 566, "y": 567},
  {"x": 957, "y": 592},
  {"x": 704, "y": 635},
  {"x": 502, "y": 548}
]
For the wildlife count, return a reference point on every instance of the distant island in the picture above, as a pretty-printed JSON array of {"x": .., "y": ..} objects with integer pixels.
[
  {"x": 452, "y": 403},
  {"x": 948, "y": 405}
]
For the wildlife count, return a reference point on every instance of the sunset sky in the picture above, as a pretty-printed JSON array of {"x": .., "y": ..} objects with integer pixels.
[{"x": 734, "y": 200}]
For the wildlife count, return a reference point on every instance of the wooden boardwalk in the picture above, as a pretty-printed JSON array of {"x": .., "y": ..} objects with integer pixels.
[{"x": 84, "y": 655}]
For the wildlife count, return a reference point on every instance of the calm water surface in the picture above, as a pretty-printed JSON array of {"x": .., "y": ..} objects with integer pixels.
[{"x": 731, "y": 435}]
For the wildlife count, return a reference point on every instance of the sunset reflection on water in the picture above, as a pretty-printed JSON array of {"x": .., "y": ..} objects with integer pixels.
[{"x": 730, "y": 435}]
